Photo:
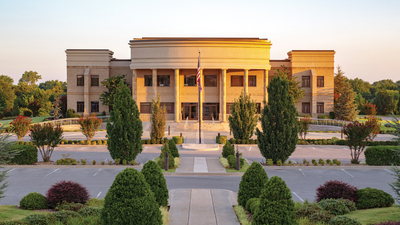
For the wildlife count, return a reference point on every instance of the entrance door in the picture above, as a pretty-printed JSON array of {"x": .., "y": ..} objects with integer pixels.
[
  {"x": 210, "y": 111},
  {"x": 190, "y": 111}
]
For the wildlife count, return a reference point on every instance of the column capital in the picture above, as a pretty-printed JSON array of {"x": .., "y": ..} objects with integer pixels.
[{"x": 224, "y": 69}]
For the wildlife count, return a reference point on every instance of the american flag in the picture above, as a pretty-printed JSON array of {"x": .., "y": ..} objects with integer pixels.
[{"x": 198, "y": 74}]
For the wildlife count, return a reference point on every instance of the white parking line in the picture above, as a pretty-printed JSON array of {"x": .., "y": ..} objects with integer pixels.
[
  {"x": 98, "y": 194},
  {"x": 302, "y": 172},
  {"x": 298, "y": 196},
  {"x": 391, "y": 172},
  {"x": 347, "y": 173},
  {"x": 313, "y": 148},
  {"x": 97, "y": 172},
  {"x": 11, "y": 170},
  {"x": 52, "y": 172},
  {"x": 250, "y": 148}
]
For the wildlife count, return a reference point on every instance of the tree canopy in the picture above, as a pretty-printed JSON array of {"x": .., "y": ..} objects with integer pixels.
[{"x": 112, "y": 84}]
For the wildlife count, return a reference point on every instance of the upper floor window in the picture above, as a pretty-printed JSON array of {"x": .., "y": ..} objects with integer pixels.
[
  {"x": 148, "y": 80},
  {"x": 228, "y": 108},
  {"x": 305, "y": 81},
  {"x": 94, "y": 107},
  {"x": 236, "y": 81},
  {"x": 190, "y": 80},
  {"x": 320, "y": 107},
  {"x": 80, "y": 106},
  {"x": 94, "y": 80},
  {"x": 320, "y": 81},
  {"x": 80, "y": 81},
  {"x": 163, "y": 80},
  {"x": 253, "y": 81},
  {"x": 210, "y": 80}
]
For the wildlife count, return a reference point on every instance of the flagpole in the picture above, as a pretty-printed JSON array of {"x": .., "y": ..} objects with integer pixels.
[{"x": 199, "y": 100}]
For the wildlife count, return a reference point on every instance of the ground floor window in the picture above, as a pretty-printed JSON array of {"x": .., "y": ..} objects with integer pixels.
[
  {"x": 80, "y": 106},
  {"x": 145, "y": 107},
  {"x": 94, "y": 107},
  {"x": 305, "y": 107},
  {"x": 169, "y": 106},
  {"x": 320, "y": 107}
]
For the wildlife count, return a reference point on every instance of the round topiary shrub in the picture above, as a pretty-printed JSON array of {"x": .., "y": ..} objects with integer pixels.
[
  {"x": 66, "y": 191},
  {"x": 254, "y": 206},
  {"x": 373, "y": 198},
  {"x": 250, "y": 202},
  {"x": 130, "y": 201},
  {"x": 252, "y": 183},
  {"x": 155, "y": 178},
  {"x": 173, "y": 149},
  {"x": 33, "y": 201},
  {"x": 276, "y": 204},
  {"x": 337, "y": 206},
  {"x": 228, "y": 150},
  {"x": 337, "y": 189},
  {"x": 343, "y": 220}
]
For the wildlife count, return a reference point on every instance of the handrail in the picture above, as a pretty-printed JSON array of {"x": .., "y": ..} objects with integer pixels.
[{"x": 327, "y": 122}]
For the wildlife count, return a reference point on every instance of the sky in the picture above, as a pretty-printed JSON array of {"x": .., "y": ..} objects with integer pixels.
[{"x": 364, "y": 33}]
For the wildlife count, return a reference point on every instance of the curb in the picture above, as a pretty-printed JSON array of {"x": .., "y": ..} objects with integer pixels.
[
  {"x": 87, "y": 166},
  {"x": 326, "y": 167}
]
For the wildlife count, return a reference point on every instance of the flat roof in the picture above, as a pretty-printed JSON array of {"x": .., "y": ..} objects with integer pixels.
[
  {"x": 312, "y": 51},
  {"x": 198, "y": 39}
]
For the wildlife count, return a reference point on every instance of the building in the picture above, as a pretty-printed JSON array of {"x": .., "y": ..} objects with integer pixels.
[{"x": 168, "y": 66}]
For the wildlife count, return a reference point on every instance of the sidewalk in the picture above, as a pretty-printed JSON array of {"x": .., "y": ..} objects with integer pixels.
[
  {"x": 202, "y": 206},
  {"x": 200, "y": 165}
]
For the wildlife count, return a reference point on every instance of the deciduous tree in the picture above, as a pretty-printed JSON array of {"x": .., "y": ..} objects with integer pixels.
[
  {"x": 89, "y": 124},
  {"x": 30, "y": 78},
  {"x": 244, "y": 117},
  {"x": 46, "y": 138},
  {"x": 357, "y": 136},
  {"x": 385, "y": 102},
  {"x": 20, "y": 126}
]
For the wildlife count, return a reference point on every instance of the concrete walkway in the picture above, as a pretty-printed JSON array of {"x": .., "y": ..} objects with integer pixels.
[
  {"x": 202, "y": 206},
  {"x": 200, "y": 165}
]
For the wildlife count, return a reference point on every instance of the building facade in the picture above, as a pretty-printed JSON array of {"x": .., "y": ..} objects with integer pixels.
[{"x": 168, "y": 67}]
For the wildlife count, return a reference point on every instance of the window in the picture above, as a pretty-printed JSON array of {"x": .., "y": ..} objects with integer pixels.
[
  {"x": 94, "y": 80},
  {"x": 210, "y": 80},
  {"x": 305, "y": 81},
  {"x": 320, "y": 107},
  {"x": 148, "y": 80},
  {"x": 236, "y": 81},
  {"x": 305, "y": 107},
  {"x": 94, "y": 107},
  {"x": 145, "y": 107},
  {"x": 320, "y": 81},
  {"x": 80, "y": 81},
  {"x": 80, "y": 106},
  {"x": 169, "y": 106},
  {"x": 252, "y": 81},
  {"x": 190, "y": 80},
  {"x": 228, "y": 108},
  {"x": 163, "y": 80}
]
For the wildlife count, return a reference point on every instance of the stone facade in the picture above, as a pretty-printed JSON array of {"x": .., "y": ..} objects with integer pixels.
[{"x": 168, "y": 66}]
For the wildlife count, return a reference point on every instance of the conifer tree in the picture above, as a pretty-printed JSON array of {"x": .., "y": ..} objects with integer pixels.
[
  {"x": 344, "y": 105},
  {"x": 155, "y": 178},
  {"x": 253, "y": 181},
  {"x": 173, "y": 149},
  {"x": 279, "y": 135},
  {"x": 244, "y": 117},
  {"x": 130, "y": 201},
  {"x": 157, "y": 120},
  {"x": 171, "y": 160},
  {"x": 124, "y": 129},
  {"x": 276, "y": 204}
]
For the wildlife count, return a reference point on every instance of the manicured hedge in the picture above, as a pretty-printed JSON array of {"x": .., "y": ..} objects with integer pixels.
[
  {"x": 27, "y": 156},
  {"x": 382, "y": 155},
  {"x": 371, "y": 143},
  {"x": 221, "y": 139},
  {"x": 373, "y": 198}
]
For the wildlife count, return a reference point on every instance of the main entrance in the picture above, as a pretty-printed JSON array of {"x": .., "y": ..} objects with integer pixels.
[
  {"x": 210, "y": 111},
  {"x": 189, "y": 111}
]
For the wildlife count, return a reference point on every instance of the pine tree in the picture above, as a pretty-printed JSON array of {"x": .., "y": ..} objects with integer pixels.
[
  {"x": 244, "y": 117},
  {"x": 157, "y": 120},
  {"x": 276, "y": 204},
  {"x": 295, "y": 89},
  {"x": 279, "y": 135},
  {"x": 253, "y": 181},
  {"x": 130, "y": 201},
  {"x": 171, "y": 160},
  {"x": 344, "y": 105},
  {"x": 124, "y": 129},
  {"x": 155, "y": 178}
]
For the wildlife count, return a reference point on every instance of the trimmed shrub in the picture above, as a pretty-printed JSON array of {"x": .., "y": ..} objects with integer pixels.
[
  {"x": 14, "y": 222},
  {"x": 33, "y": 201},
  {"x": 307, "y": 209},
  {"x": 382, "y": 155},
  {"x": 276, "y": 204},
  {"x": 155, "y": 178},
  {"x": 337, "y": 206},
  {"x": 28, "y": 155},
  {"x": 228, "y": 150},
  {"x": 343, "y": 220},
  {"x": 322, "y": 216},
  {"x": 250, "y": 202},
  {"x": 41, "y": 219},
  {"x": 130, "y": 201},
  {"x": 171, "y": 160},
  {"x": 254, "y": 206},
  {"x": 67, "y": 191},
  {"x": 90, "y": 211},
  {"x": 252, "y": 183},
  {"x": 177, "y": 139},
  {"x": 232, "y": 161},
  {"x": 373, "y": 198},
  {"x": 221, "y": 140},
  {"x": 173, "y": 149},
  {"x": 337, "y": 189}
]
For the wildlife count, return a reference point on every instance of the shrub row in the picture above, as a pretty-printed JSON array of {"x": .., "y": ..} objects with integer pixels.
[
  {"x": 382, "y": 155},
  {"x": 28, "y": 155},
  {"x": 337, "y": 141},
  {"x": 239, "y": 141},
  {"x": 314, "y": 162}
]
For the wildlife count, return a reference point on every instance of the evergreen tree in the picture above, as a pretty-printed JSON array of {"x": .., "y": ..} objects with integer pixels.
[
  {"x": 276, "y": 204},
  {"x": 279, "y": 135},
  {"x": 385, "y": 102},
  {"x": 344, "y": 106},
  {"x": 295, "y": 89},
  {"x": 124, "y": 129},
  {"x": 130, "y": 201},
  {"x": 173, "y": 149},
  {"x": 112, "y": 84},
  {"x": 360, "y": 102},
  {"x": 6, "y": 155},
  {"x": 155, "y": 178},
  {"x": 253, "y": 181},
  {"x": 157, "y": 120},
  {"x": 244, "y": 117}
]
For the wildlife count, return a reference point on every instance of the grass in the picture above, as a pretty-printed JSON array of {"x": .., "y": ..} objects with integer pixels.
[
  {"x": 241, "y": 214},
  {"x": 165, "y": 215},
  {"x": 225, "y": 164},
  {"x": 172, "y": 170},
  {"x": 376, "y": 215},
  {"x": 37, "y": 119},
  {"x": 11, "y": 212}
]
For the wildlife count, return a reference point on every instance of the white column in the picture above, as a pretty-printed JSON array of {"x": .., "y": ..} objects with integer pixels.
[
  {"x": 177, "y": 96},
  {"x": 155, "y": 83},
  {"x": 246, "y": 82},
  {"x": 223, "y": 95}
]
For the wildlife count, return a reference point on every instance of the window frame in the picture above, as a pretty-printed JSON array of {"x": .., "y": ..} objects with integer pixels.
[
  {"x": 186, "y": 78},
  {"x": 306, "y": 81},
  {"x": 80, "y": 80},
  {"x": 206, "y": 84},
  {"x": 169, "y": 106},
  {"x": 151, "y": 80},
  {"x": 145, "y": 104},
  {"x": 166, "y": 84},
  {"x": 303, "y": 104},
  {"x": 320, "y": 105},
  {"x": 320, "y": 81},
  {"x": 79, "y": 105},
  {"x": 235, "y": 76},
  {"x": 255, "y": 80},
  {"x": 94, "y": 105}
]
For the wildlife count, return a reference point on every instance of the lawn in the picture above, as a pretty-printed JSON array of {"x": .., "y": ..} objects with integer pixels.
[
  {"x": 37, "y": 119},
  {"x": 11, "y": 212},
  {"x": 177, "y": 163},
  {"x": 225, "y": 164},
  {"x": 372, "y": 216}
]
